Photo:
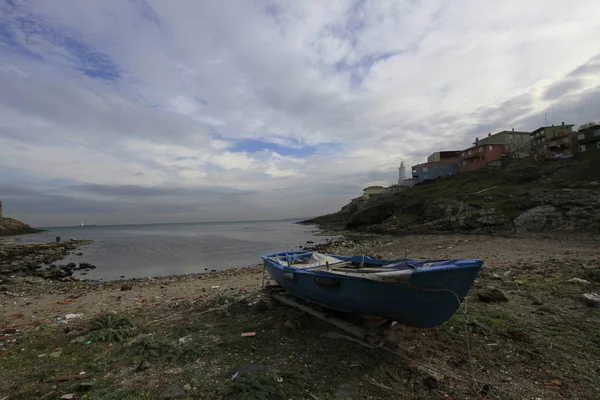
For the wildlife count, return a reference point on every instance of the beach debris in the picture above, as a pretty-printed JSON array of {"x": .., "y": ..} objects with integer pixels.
[
  {"x": 72, "y": 316},
  {"x": 235, "y": 376},
  {"x": 592, "y": 299},
  {"x": 579, "y": 281},
  {"x": 126, "y": 287},
  {"x": 187, "y": 386},
  {"x": 215, "y": 287},
  {"x": 66, "y": 301},
  {"x": 56, "y": 354},
  {"x": 84, "y": 387},
  {"x": 380, "y": 385},
  {"x": 66, "y": 378},
  {"x": 67, "y": 396},
  {"x": 280, "y": 379},
  {"x": 345, "y": 391},
  {"x": 288, "y": 324},
  {"x": 184, "y": 339},
  {"x": 144, "y": 365},
  {"x": 491, "y": 295},
  {"x": 171, "y": 392},
  {"x": 174, "y": 371},
  {"x": 16, "y": 315},
  {"x": 248, "y": 334}
]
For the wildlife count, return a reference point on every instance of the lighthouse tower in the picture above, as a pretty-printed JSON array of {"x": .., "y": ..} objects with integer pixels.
[{"x": 401, "y": 173}]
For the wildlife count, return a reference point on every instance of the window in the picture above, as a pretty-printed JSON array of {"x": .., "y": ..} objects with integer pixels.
[
  {"x": 491, "y": 147},
  {"x": 582, "y": 148},
  {"x": 424, "y": 169},
  {"x": 465, "y": 163},
  {"x": 581, "y": 136},
  {"x": 597, "y": 133}
]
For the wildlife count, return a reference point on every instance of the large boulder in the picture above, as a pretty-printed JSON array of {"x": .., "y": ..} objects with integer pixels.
[{"x": 536, "y": 219}]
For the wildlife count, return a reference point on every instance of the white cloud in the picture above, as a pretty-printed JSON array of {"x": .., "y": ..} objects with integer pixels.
[{"x": 172, "y": 86}]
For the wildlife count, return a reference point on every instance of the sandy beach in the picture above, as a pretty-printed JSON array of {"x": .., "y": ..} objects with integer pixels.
[{"x": 541, "y": 343}]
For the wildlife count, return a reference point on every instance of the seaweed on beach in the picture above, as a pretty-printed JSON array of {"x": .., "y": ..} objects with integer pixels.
[{"x": 112, "y": 328}]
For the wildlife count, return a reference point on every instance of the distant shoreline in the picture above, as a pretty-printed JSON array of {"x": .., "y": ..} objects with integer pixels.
[{"x": 292, "y": 220}]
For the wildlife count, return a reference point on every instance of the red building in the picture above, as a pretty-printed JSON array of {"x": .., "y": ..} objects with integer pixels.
[{"x": 480, "y": 155}]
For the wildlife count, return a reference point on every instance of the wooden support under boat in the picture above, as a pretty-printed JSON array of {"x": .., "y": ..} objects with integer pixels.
[{"x": 372, "y": 334}]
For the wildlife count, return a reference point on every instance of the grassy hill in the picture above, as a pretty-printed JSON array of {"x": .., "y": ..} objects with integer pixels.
[
  {"x": 524, "y": 195},
  {"x": 10, "y": 227}
]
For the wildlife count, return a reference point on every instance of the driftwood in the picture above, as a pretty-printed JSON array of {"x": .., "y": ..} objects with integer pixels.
[{"x": 66, "y": 378}]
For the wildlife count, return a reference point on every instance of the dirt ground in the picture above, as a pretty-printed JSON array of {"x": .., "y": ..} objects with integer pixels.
[{"x": 543, "y": 343}]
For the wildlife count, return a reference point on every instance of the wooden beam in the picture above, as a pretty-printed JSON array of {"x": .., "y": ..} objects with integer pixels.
[{"x": 346, "y": 326}]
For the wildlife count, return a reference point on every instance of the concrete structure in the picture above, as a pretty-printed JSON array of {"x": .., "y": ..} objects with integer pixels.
[
  {"x": 448, "y": 155},
  {"x": 547, "y": 142},
  {"x": 434, "y": 170},
  {"x": 410, "y": 182},
  {"x": 395, "y": 188},
  {"x": 0, "y": 209},
  {"x": 372, "y": 191},
  {"x": 588, "y": 143}
]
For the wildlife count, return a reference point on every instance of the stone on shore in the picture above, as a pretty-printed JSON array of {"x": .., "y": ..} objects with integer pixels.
[{"x": 491, "y": 295}]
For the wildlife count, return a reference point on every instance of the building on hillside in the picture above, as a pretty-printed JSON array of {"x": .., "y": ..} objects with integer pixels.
[
  {"x": 448, "y": 155},
  {"x": 480, "y": 155},
  {"x": 548, "y": 142},
  {"x": 493, "y": 149},
  {"x": 588, "y": 143},
  {"x": 434, "y": 170},
  {"x": 373, "y": 191},
  {"x": 518, "y": 142}
]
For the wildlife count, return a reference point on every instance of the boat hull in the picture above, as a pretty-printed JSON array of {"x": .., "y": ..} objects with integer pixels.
[{"x": 430, "y": 297}]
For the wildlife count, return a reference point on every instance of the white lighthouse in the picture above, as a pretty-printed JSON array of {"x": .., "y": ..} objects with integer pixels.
[{"x": 401, "y": 173}]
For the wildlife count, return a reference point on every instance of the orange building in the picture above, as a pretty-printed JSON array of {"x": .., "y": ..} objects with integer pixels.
[{"x": 480, "y": 155}]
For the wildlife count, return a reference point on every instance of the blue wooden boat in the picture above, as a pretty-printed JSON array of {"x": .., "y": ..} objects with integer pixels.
[{"x": 419, "y": 293}]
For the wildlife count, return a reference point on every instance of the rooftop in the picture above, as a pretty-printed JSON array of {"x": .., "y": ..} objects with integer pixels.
[
  {"x": 589, "y": 128},
  {"x": 541, "y": 128},
  {"x": 374, "y": 187},
  {"x": 436, "y": 162}
]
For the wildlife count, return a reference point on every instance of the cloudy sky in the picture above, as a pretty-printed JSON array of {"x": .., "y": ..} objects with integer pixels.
[{"x": 119, "y": 111}]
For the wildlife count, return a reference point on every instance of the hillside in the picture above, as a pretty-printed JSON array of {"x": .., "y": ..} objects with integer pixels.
[
  {"x": 10, "y": 227},
  {"x": 523, "y": 196}
]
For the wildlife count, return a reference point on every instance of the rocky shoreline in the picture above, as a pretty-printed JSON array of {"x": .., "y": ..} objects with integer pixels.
[{"x": 38, "y": 259}]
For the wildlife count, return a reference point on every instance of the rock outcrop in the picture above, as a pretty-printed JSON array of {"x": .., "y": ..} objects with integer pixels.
[
  {"x": 10, "y": 227},
  {"x": 567, "y": 210},
  {"x": 38, "y": 259},
  {"x": 527, "y": 197}
]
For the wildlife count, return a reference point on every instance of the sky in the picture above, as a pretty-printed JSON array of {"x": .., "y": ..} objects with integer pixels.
[{"x": 144, "y": 111}]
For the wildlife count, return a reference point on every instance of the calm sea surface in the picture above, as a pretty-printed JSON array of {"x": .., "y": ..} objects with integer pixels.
[{"x": 136, "y": 251}]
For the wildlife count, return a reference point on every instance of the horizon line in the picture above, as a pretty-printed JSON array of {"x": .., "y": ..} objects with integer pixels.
[{"x": 174, "y": 223}]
